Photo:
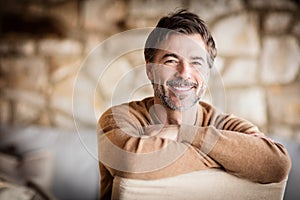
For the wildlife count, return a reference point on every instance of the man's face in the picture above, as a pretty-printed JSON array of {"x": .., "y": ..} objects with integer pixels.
[{"x": 180, "y": 71}]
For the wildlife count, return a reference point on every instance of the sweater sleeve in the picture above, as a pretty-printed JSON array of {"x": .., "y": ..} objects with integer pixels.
[
  {"x": 106, "y": 182},
  {"x": 125, "y": 151},
  {"x": 241, "y": 149}
]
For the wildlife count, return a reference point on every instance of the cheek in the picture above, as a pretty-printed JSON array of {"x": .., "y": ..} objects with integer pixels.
[
  {"x": 163, "y": 74},
  {"x": 202, "y": 78}
]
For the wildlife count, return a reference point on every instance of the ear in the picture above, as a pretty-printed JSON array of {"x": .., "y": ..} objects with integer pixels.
[{"x": 149, "y": 71}]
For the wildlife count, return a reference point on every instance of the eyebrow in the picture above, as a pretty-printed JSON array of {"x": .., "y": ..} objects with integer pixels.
[{"x": 198, "y": 58}]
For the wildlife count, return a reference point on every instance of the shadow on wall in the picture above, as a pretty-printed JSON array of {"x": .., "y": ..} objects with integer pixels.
[{"x": 24, "y": 24}]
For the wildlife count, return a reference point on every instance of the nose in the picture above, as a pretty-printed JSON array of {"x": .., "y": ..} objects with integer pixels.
[{"x": 184, "y": 70}]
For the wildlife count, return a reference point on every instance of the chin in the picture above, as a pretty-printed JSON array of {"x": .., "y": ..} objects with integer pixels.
[
  {"x": 183, "y": 105},
  {"x": 176, "y": 102}
]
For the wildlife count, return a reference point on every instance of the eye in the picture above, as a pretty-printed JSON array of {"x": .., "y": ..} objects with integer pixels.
[
  {"x": 171, "y": 62},
  {"x": 196, "y": 63}
]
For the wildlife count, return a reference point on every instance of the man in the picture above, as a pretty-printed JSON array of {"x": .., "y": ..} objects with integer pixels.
[{"x": 173, "y": 132}]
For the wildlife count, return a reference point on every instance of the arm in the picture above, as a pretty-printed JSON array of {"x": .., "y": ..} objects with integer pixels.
[
  {"x": 105, "y": 182},
  {"x": 241, "y": 149},
  {"x": 128, "y": 149},
  {"x": 216, "y": 142},
  {"x": 267, "y": 162},
  {"x": 253, "y": 157}
]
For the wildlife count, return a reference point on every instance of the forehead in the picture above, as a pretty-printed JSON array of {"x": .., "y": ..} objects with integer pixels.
[{"x": 183, "y": 45}]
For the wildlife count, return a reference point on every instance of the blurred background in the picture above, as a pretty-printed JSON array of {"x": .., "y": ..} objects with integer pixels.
[{"x": 61, "y": 67}]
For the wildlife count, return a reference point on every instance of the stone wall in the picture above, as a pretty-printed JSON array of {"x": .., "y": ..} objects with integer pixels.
[{"x": 66, "y": 61}]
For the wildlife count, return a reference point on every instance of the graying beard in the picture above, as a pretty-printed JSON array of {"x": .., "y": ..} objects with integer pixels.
[{"x": 166, "y": 101}]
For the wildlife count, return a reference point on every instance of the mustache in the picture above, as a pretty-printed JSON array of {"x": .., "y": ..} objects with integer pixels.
[{"x": 181, "y": 83}]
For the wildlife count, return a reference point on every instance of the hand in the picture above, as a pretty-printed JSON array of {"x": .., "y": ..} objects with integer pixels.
[{"x": 163, "y": 131}]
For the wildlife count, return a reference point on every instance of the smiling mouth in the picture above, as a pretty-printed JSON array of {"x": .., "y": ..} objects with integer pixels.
[{"x": 180, "y": 86}]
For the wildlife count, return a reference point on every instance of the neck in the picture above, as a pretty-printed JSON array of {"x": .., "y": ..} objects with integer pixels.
[{"x": 178, "y": 117}]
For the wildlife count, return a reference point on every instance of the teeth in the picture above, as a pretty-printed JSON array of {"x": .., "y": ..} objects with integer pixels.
[{"x": 182, "y": 88}]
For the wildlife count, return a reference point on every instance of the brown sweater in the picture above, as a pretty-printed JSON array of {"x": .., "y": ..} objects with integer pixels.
[{"x": 217, "y": 140}]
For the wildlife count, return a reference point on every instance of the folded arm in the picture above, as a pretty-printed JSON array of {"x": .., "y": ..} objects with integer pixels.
[
  {"x": 154, "y": 151},
  {"x": 149, "y": 156},
  {"x": 250, "y": 156},
  {"x": 241, "y": 149}
]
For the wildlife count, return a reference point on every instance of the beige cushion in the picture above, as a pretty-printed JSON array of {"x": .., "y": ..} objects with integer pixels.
[{"x": 210, "y": 184}]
